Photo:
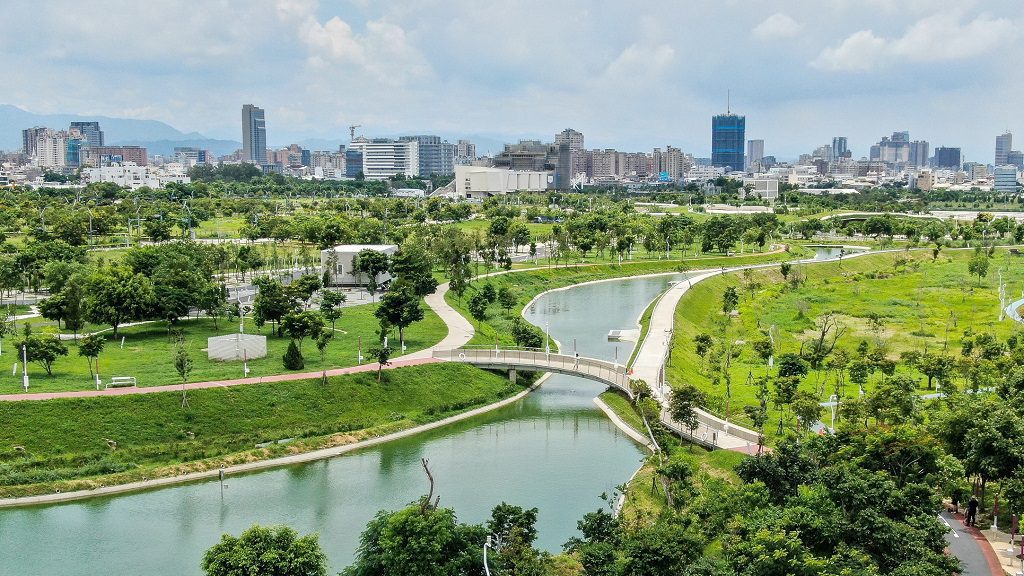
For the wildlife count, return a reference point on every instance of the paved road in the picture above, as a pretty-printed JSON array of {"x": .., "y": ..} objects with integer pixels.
[{"x": 967, "y": 544}]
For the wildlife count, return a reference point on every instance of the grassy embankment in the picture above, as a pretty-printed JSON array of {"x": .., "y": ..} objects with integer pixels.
[
  {"x": 900, "y": 301},
  {"x": 63, "y": 443},
  {"x": 148, "y": 352},
  {"x": 529, "y": 283},
  {"x": 645, "y": 497}
]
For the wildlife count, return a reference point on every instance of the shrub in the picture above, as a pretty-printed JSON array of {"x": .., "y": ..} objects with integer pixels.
[{"x": 293, "y": 359}]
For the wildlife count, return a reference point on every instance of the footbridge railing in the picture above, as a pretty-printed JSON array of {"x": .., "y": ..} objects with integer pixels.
[{"x": 610, "y": 373}]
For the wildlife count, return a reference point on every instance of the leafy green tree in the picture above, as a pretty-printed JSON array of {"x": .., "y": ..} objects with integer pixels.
[
  {"x": 807, "y": 409},
  {"x": 683, "y": 406},
  {"x": 273, "y": 551},
  {"x": 703, "y": 344},
  {"x": 399, "y": 307},
  {"x": 115, "y": 295},
  {"x": 272, "y": 303},
  {"x": 90, "y": 348},
  {"x": 785, "y": 268},
  {"x": 730, "y": 299},
  {"x": 158, "y": 229},
  {"x": 507, "y": 298},
  {"x": 300, "y": 325},
  {"x": 478, "y": 304},
  {"x": 489, "y": 293},
  {"x": 382, "y": 354},
  {"x": 978, "y": 266},
  {"x": 525, "y": 334},
  {"x": 415, "y": 541},
  {"x": 411, "y": 265},
  {"x": 330, "y": 306},
  {"x": 322, "y": 340},
  {"x": 41, "y": 349},
  {"x": 373, "y": 264},
  {"x": 304, "y": 287}
]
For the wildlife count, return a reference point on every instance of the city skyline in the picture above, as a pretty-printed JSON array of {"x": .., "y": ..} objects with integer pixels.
[{"x": 380, "y": 66}]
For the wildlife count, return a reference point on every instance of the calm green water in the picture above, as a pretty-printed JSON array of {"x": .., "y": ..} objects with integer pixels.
[{"x": 553, "y": 450}]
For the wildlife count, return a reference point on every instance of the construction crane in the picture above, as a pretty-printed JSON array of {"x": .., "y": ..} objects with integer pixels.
[{"x": 352, "y": 131}]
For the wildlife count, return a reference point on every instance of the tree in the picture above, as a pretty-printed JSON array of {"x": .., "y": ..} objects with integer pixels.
[
  {"x": 90, "y": 348},
  {"x": 978, "y": 266},
  {"x": 272, "y": 302},
  {"x": 507, "y": 298},
  {"x": 806, "y": 408},
  {"x": 292, "y": 358},
  {"x": 730, "y": 299},
  {"x": 158, "y": 229},
  {"x": 300, "y": 325},
  {"x": 399, "y": 307},
  {"x": 526, "y": 335},
  {"x": 683, "y": 404},
  {"x": 277, "y": 551},
  {"x": 478, "y": 307},
  {"x": 703, "y": 344},
  {"x": 183, "y": 366},
  {"x": 330, "y": 305},
  {"x": 791, "y": 365},
  {"x": 382, "y": 354},
  {"x": 424, "y": 542},
  {"x": 321, "y": 345},
  {"x": 784, "y": 268},
  {"x": 410, "y": 264},
  {"x": 373, "y": 264},
  {"x": 115, "y": 295},
  {"x": 304, "y": 287},
  {"x": 43, "y": 350}
]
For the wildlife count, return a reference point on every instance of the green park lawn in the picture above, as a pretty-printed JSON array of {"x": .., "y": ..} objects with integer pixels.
[
  {"x": 529, "y": 283},
  {"x": 65, "y": 441},
  {"x": 923, "y": 306},
  {"x": 148, "y": 352}
]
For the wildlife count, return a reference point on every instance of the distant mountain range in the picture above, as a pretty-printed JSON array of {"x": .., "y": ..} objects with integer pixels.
[{"x": 158, "y": 137}]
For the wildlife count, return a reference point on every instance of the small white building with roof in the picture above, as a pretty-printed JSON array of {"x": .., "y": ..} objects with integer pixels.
[{"x": 338, "y": 263}]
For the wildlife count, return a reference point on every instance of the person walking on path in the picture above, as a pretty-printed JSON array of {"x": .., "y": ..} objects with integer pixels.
[
  {"x": 972, "y": 511},
  {"x": 954, "y": 501}
]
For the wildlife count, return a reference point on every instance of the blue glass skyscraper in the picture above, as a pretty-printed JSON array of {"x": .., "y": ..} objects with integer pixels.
[{"x": 728, "y": 136}]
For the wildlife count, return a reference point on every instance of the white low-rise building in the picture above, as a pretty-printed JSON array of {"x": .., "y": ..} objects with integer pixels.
[
  {"x": 339, "y": 263},
  {"x": 131, "y": 175},
  {"x": 482, "y": 182}
]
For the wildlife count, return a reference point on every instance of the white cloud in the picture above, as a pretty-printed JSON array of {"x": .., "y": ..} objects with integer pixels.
[
  {"x": 778, "y": 26},
  {"x": 639, "y": 61},
  {"x": 857, "y": 53},
  {"x": 937, "y": 38}
]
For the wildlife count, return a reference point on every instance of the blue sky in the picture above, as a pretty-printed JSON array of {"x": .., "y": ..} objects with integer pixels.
[{"x": 630, "y": 75}]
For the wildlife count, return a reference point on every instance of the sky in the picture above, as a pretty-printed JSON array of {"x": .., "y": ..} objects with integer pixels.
[{"x": 629, "y": 75}]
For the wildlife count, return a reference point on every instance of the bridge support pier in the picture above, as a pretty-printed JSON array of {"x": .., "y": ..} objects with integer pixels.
[{"x": 512, "y": 375}]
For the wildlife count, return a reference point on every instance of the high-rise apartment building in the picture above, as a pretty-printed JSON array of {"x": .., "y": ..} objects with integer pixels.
[
  {"x": 254, "y": 135},
  {"x": 755, "y": 151},
  {"x": 728, "y": 134},
  {"x": 1015, "y": 158},
  {"x": 839, "y": 147},
  {"x": 1004, "y": 144},
  {"x": 90, "y": 131},
  {"x": 946, "y": 157},
  {"x": 894, "y": 150},
  {"x": 29, "y": 137},
  {"x": 465, "y": 152},
  {"x": 918, "y": 153},
  {"x": 436, "y": 156},
  {"x": 384, "y": 158},
  {"x": 672, "y": 163},
  {"x": 97, "y": 156},
  {"x": 51, "y": 148},
  {"x": 577, "y": 152},
  {"x": 1005, "y": 179},
  {"x": 571, "y": 137}
]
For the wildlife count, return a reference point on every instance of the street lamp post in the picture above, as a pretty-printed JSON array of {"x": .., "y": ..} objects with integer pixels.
[
  {"x": 833, "y": 400},
  {"x": 24, "y": 367},
  {"x": 486, "y": 569},
  {"x": 547, "y": 346}
]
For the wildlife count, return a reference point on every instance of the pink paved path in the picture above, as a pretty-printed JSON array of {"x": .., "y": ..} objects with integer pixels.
[{"x": 216, "y": 383}]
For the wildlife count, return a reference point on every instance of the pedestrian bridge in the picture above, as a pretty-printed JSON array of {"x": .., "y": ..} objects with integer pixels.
[{"x": 532, "y": 359}]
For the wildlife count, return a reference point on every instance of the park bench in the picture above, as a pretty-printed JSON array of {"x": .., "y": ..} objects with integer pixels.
[{"x": 121, "y": 382}]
